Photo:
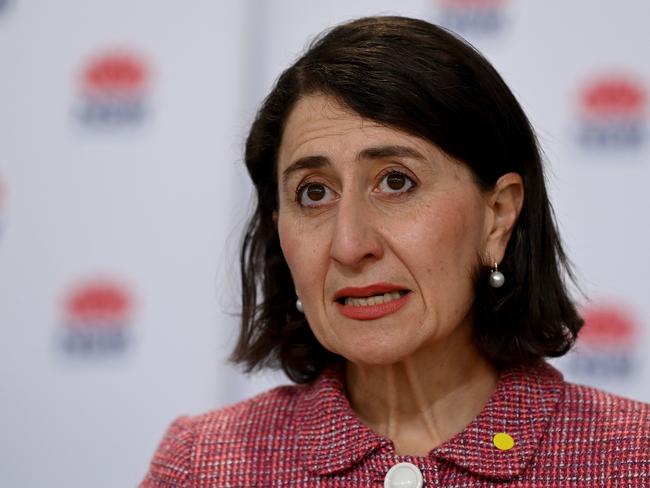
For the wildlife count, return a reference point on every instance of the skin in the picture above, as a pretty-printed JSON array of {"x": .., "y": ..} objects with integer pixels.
[{"x": 414, "y": 376}]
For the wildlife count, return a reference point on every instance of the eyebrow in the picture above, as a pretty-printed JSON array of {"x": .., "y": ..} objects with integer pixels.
[
  {"x": 378, "y": 152},
  {"x": 308, "y": 162},
  {"x": 395, "y": 151}
]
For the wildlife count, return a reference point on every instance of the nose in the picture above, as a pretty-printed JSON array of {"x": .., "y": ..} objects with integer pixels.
[{"x": 356, "y": 238}]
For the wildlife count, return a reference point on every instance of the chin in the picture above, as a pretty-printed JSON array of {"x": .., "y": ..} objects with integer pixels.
[
  {"x": 374, "y": 353},
  {"x": 374, "y": 361}
]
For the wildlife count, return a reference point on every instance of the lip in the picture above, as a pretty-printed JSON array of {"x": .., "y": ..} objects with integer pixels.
[
  {"x": 370, "y": 312},
  {"x": 366, "y": 291}
]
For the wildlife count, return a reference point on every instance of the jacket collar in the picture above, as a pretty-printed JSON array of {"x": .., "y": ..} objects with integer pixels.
[{"x": 333, "y": 439}]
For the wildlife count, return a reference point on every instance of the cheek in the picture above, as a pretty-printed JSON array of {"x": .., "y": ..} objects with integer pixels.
[
  {"x": 302, "y": 249},
  {"x": 444, "y": 244},
  {"x": 289, "y": 245}
]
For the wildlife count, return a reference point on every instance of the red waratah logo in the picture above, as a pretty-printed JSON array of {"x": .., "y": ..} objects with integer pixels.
[
  {"x": 613, "y": 97},
  {"x": 97, "y": 317},
  {"x": 612, "y": 112},
  {"x": 98, "y": 303},
  {"x": 473, "y": 16},
  {"x": 118, "y": 74},
  {"x": 114, "y": 88},
  {"x": 606, "y": 345},
  {"x": 608, "y": 326}
]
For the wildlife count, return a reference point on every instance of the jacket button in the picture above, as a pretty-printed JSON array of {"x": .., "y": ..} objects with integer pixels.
[{"x": 403, "y": 475}]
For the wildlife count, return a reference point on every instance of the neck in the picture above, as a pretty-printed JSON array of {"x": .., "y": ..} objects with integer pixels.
[{"x": 427, "y": 398}]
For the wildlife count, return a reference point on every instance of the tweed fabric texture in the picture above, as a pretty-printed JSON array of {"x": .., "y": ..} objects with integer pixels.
[{"x": 565, "y": 436}]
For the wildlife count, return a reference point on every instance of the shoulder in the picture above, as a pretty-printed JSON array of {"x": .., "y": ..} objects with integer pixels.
[
  {"x": 610, "y": 426},
  {"x": 221, "y": 435},
  {"x": 599, "y": 406},
  {"x": 267, "y": 411}
]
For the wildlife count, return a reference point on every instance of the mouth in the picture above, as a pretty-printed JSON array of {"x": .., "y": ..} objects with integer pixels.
[
  {"x": 371, "y": 302},
  {"x": 376, "y": 299}
]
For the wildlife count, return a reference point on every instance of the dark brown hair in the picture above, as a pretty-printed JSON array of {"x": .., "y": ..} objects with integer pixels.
[{"x": 419, "y": 78}]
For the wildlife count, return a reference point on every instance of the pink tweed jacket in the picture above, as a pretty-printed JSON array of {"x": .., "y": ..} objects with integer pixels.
[{"x": 308, "y": 436}]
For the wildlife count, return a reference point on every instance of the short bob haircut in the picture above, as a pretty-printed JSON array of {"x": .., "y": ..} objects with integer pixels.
[{"x": 419, "y": 78}]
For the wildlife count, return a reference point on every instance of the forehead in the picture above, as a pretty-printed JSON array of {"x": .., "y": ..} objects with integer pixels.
[{"x": 320, "y": 124}]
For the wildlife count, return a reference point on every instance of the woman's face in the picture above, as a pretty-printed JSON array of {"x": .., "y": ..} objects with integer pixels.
[{"x": 370, "y": 211}]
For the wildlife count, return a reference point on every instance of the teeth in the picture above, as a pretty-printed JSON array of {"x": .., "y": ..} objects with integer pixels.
[{"x": 373, "y": 300}]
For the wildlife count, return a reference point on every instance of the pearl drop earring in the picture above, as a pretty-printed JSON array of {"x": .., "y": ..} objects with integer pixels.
[
  {"x": 299, "y": 306},
  {"x": 496, "y": 277}
]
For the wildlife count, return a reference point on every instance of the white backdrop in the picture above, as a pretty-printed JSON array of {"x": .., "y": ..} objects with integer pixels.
[{"x": 122, "y": 197}]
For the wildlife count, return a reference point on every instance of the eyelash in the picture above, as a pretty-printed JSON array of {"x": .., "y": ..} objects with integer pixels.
[
  {"x": 389, "y": 172},
  {"x": 300, "y": 190}
]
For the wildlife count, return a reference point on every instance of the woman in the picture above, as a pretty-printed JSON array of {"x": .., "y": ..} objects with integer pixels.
[{"x": 404, "y": 269}]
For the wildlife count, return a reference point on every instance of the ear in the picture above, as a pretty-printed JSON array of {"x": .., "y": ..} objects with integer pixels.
[
  {"x": 275, "y": 216},
  {"x": 504, "y": 201}
]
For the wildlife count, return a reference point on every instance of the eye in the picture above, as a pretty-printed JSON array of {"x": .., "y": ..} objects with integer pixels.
[
  {"x": 313, "y": 195},
  {"x": 395, "y": 182}
]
